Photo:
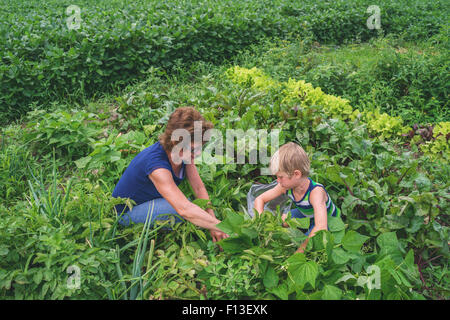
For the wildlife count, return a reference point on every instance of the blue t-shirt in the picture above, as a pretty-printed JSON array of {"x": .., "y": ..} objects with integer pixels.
[{"x": 135, "y": 183}]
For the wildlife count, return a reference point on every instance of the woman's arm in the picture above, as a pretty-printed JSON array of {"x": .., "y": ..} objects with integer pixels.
[
  {"x": 196, "y": 182},
  {"x": 267, "y": 196},
  {"x": 163, "y": 181},
  {"x": 200, "y": 193}
]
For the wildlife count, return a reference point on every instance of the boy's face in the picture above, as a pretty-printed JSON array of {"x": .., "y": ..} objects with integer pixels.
[{"x": 287, "y": 182}]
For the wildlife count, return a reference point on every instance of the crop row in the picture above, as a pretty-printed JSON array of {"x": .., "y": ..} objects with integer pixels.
[{"x": 45, "y": 56}]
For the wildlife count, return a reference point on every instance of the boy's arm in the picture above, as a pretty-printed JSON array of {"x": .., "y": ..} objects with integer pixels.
[
  {"x": 268, "y": 196},
  {"x": 317, "y": 198}
]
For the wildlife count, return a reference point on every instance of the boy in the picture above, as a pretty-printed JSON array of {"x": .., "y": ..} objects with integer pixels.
[{"x": 291, "y": 166}]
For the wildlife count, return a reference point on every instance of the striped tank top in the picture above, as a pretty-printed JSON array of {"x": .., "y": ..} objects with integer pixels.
[{"x": 305, "y": 207}]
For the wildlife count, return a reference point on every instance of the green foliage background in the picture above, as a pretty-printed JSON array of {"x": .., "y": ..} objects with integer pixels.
[
  {"x": 60, "y": 162},
  {"x": 42, "y": 60}
]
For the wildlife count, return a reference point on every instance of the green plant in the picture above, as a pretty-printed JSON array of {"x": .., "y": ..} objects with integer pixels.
[
  {"x": 439, "y": 146},
  {"x": 112, "y": 154},
  {"x": 48, "y": 202},
  {"x": 393, "y": 197},
  {"x": 69, "y": 134},
  {"x": 45, "y": 62},
  {"x": 139, "y": 282},
  {"x": 12, "y": 170}
]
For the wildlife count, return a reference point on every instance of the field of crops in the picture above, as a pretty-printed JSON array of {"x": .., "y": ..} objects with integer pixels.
[
  {"x": 44, "y": 58},
  {"x": 370, "y": 107}
]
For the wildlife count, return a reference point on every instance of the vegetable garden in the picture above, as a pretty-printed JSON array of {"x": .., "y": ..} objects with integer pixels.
[{"x": 370, "y": 107}]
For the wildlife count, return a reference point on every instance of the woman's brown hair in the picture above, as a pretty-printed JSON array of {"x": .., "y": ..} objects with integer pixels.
[{"x": 182, "y": 118}]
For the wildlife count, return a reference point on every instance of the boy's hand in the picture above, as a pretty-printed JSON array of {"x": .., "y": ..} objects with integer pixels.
[
  {"x": 283, "y": 217},
  {"x": 302, "y": 247},
  {"x": 300, "y": 250}
]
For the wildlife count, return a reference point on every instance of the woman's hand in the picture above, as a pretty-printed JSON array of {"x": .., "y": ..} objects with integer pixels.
[
  {"x": 163, "y": 181},
  {"x": 201, "y": 193},
  {"x": 217, "y": 236}
]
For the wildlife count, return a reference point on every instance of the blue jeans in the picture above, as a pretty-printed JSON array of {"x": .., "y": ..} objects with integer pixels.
[
  {"x": 295, "y": 213},
  {"x": 157, "y": 209}
]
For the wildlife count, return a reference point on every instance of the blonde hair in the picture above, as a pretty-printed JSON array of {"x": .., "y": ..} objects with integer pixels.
[{"x": 288, "y": 158}]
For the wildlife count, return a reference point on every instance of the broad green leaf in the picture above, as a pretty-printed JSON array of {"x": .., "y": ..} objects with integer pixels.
[
  {"x": 270, "y": 278},
  {"x": 37, "y": 278},
  {"x": 422, "y": 182},
  {"x": 339, "y": 256},
  {"x": 234, "y": 245},
  {"x": 296, "y": 258},
  {"x": 342, "y": 175},
  {"x": 338, "y": 236},
  {"x": 114, "y": 156},
  {"x": 82, "y": 163},
  {"x": 350, "y": 203},
  {"x": 303, "y": 273},
  {"x": 357, "y": 262},
  {"x": 403, "y": 279},
  {"x": 353, "y": 241},
  {"x": 332, "y": 173},
  {"x": 302, "y": 223},
  {"x": 281, "y": 291},
  {"x": 331, "y": 292},
  {"x": 414, "y": 224},
  {"x": 390, "y": 246},
  {"x": 335, "y": 224},
  {"x": 316, "y": 295},
  {"x": 409, "y": 268},
  {"x": 409, "y": 259},
  {"x": 374, "y": 294},
  {"x": 250, "y": 232},
  {"x": 296, "y": 236},
  {"x": 301, "y": 295},
  {"x": 322, "y": 239},
  {"x": 232, "y": 223},
  {"x": 346, "y": 277},
  {"x": 388, "y": 243}
]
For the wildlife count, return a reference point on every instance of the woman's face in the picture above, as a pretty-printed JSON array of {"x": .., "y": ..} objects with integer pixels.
[{"x": 191, "y": 153}]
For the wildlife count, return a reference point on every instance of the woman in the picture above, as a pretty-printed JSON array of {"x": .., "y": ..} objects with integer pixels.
[{"x": 153, "y": 176}]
